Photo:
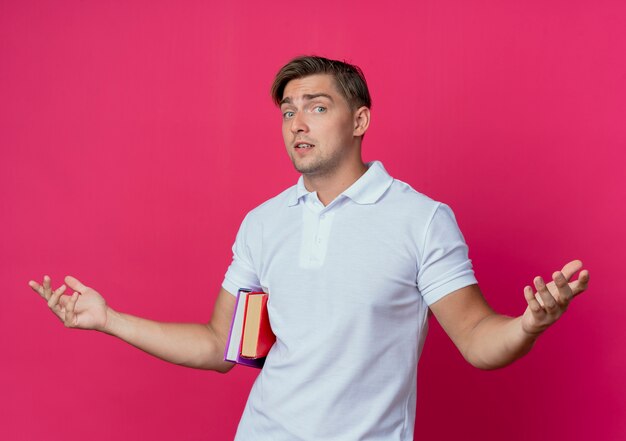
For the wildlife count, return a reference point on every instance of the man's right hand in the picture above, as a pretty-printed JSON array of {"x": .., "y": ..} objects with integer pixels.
[
  {"x": 195, "y": 345},
  {"x": 84, "y": 309}
]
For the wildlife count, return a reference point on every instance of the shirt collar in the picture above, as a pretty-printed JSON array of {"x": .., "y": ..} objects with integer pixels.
[{"x": 368, "y": 189}]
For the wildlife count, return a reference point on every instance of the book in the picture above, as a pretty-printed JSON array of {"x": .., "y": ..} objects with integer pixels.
[
  {"x": 232, "y": 352},
  {"x": 257, "y": 337}
]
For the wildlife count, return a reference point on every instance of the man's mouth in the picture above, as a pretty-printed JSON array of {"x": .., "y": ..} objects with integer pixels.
[{"x": 304, "y": 145}]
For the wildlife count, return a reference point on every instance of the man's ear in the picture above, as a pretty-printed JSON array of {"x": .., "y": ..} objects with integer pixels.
[{"x": 361, "y": 121}]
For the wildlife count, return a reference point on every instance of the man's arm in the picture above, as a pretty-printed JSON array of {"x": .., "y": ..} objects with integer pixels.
[
  {"x": 488, "y": 340},
  {"x": 188, "y": 344}
]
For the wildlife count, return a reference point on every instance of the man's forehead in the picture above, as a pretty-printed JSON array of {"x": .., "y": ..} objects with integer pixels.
[{"x": 318, "y": 84}]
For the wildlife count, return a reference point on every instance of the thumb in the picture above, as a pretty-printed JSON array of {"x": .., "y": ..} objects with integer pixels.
[
  {"x": 75, "y": 284},
  {"x": 571, "y": 268}
]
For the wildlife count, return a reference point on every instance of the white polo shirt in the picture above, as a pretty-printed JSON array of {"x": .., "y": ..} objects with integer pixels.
[{"x": 349, "y": 287}]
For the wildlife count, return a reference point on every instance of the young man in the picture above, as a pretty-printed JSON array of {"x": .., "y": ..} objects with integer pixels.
[{"x": 352, "y": 260}]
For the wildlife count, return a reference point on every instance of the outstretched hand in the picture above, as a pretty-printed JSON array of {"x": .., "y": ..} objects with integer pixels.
[
  {"x": 84, "y": 309},
  {"x": 551, "y": 300}
]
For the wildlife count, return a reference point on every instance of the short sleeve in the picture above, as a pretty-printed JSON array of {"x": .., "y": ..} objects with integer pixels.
[
  {"x": 241, "y": 273},
  {"x": 445, "y": 265}
]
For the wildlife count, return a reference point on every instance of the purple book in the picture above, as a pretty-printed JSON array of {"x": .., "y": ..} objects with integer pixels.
[{"x": 232, "y": 352}]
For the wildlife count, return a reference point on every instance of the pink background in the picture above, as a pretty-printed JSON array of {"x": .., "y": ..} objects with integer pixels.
[{"x": 136, "y": 135}]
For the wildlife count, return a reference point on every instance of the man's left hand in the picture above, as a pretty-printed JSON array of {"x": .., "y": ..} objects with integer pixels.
[{"x": 550, "y": 301}]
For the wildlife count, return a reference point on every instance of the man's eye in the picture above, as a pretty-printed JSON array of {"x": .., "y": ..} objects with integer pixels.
[
  {"x": 288, "y": 114},
  {"x": 319, "y": 109}
]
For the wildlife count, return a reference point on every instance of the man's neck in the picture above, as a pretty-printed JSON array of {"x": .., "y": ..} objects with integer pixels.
[{"x": 329, "y": 186}]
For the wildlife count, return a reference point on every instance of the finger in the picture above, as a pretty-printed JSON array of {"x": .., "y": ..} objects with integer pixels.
[
  {"x": 581, "y": 284},
  {"x": 549, "y": 303},
  {"x": 54, "y": 298},
  {"x": 37, "y": 288},
  {"x": 63, "y": 301},
  {"x": 533, "y": 304},
  {"x": 563, "y": 289},
  {"x": 75, "y": 284},
  {"x": 69, "y": 310},
  {"x": 47, "y": 291},
  {"x": 571, "y": 268}
]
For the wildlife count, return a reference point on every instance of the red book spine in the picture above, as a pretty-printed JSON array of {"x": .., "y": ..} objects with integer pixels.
[{"x": 266, "y": 336}]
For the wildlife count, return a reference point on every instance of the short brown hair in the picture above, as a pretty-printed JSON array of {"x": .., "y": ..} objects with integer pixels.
[{"x": 349, "y": 78}]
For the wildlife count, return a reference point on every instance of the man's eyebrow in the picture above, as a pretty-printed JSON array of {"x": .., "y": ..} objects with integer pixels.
[{"x": 307, "y": 97}]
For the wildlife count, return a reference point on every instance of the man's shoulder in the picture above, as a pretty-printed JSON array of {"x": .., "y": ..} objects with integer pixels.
[
  {"x": 272, "y": 206},
  {"x": 408, "y": 198}
]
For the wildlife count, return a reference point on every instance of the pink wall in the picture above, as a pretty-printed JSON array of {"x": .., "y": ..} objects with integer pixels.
[{"x": 134, "y": 136}]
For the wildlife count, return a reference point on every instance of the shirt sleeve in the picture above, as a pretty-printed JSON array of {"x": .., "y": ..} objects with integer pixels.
[
  {"x": 445, "y": 265},
  {"x": 241, "y": 273}
]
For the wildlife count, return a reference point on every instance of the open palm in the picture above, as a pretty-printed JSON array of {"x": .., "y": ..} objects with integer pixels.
[
  {"x": 550, "y": 301},
  {"x": 84, "y": 309}
]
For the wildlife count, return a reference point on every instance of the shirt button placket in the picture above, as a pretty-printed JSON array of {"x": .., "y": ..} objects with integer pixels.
[{"x": 317, "y": 247}]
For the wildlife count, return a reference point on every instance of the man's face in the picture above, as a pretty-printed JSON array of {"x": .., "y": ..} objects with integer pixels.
[{"x": 318, "y": 125}]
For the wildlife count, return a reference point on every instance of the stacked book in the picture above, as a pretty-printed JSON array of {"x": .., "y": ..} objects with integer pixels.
[{"x": 251, "y": 335}]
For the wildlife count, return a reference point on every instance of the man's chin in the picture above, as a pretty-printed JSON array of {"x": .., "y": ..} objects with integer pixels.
[{"x": 306, "y": 169}]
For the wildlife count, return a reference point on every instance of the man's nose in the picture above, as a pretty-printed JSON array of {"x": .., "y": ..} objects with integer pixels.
[{"x": 298, "y": 123}]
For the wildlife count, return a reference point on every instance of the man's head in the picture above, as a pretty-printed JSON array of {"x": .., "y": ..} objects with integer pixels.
[
  {"x": 325, "y": 110},
  {"x": 348, "y": 79}
]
